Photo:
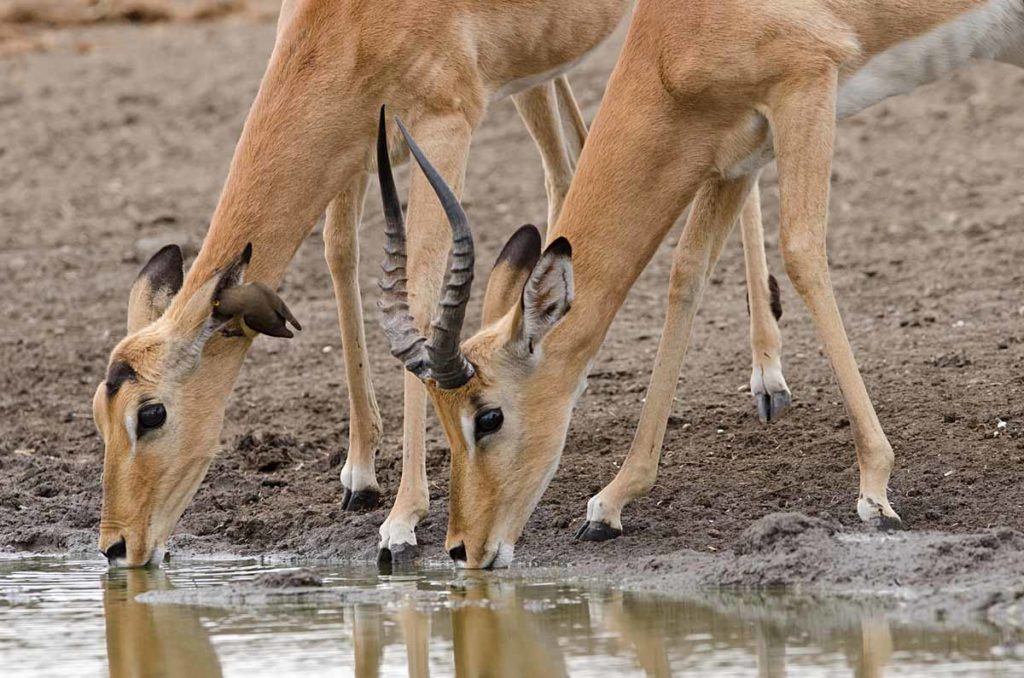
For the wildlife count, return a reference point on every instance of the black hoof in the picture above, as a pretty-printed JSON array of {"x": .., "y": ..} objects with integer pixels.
[
  {"x": 595, "y": 530},
  {"x": 887, "y": 524},
  {"x": 771, "y": 406},
  {"x": 360, "y": 500},
  {"x": 399, "y": 556}
]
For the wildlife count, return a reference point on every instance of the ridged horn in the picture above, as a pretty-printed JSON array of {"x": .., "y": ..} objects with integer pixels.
[
  {"x": 406, "y": 342},
  {"x": 448, "y": 366}
]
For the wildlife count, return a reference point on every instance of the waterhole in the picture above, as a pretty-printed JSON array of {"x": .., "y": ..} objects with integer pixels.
[{"x": 207, "y": 618}]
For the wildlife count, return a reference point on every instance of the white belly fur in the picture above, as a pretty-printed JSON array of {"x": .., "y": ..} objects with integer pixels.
[
  {"x": 992, "y": 31},
  {"x": 522, "y": 84}
]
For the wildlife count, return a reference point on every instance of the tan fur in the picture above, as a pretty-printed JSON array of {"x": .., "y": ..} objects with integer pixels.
[{"x": 683, "y": 105}]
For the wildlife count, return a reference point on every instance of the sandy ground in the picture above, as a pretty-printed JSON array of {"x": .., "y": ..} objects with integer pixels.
[{"x": 108, "y": 152}]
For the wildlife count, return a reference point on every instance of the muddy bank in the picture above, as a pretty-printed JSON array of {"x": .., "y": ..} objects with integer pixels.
[
  {"x": 932, "y": 579},
  {"x": 107, "y": 154},
  {"x": 920, "y": 576}
]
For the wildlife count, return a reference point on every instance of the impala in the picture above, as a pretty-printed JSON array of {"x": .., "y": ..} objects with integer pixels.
[
  {"x": 705, "y": 93},
  {"x": 307, "y": 146}
]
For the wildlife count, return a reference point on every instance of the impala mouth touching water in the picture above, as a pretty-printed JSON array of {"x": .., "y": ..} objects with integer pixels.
[
  {"x": 703, "y": 96},
  {"x": 158, "y": 415}
]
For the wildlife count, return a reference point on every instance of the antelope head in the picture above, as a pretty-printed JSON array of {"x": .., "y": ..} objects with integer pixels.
[
  {"x": 161, "y": 405},
  {"x": 504, "y": 412}
]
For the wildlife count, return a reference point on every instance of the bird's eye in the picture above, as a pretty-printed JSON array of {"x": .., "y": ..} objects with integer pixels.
[
  {"x": 487, "y": 422},
  {"x": 151, "y": 416}
]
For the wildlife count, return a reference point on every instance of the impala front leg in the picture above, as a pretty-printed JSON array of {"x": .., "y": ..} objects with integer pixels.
[
  {"x": 341, "y": 248},
  {"x": 715, "y": 210},
  {"x": 803, "y": 123},
  {"x": 539, "y": 110},
  {"x": 771, "y": 394},
  {"x": 445, "y": 140}
]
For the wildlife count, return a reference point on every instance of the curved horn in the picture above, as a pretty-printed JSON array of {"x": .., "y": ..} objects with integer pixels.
[
  {"x": 448, "y": 366},
  {"x": 406, "y": 343}
]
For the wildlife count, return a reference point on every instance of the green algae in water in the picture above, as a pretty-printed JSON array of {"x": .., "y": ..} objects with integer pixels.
[{"x": 203, "y": 618}]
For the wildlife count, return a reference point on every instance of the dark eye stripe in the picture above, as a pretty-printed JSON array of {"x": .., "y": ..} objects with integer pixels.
[{"x": 118, "y": 373}]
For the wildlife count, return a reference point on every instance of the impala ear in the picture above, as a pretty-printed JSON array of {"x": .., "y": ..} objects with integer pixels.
[
  {"x": 194, "y": 322},
  {"x": 155, "y": 287},
  {"x": 548, "y": 293},
  {"x": 510, "y": 273}
]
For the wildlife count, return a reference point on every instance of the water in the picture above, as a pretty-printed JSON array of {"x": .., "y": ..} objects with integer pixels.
[{"x": 73, "y": 618}]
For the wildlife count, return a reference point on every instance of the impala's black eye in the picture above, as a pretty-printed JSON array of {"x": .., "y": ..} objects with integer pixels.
[
  {"x": 487, "y": 422},
  {"x": 151, "y": 416}
]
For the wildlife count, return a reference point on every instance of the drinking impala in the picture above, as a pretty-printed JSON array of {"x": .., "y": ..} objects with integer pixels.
[{"x": 705, "y": 93}]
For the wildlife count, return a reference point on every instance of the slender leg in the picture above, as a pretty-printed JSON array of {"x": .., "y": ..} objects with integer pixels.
[
  {"x": 803, "y": 123},
  {"x": 445, "y": 140},
  {"x": 539, "y": 110},
  {"x": 341, "y": 248},
  {"x": 715, "y": 210},
  {"x": 771, "y": 394},
  {"x": 570, "y": 108}
]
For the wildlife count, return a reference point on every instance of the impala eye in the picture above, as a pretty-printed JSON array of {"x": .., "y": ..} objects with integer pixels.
[
  {"x": 151, "y": 416},
  {"x": 487, "y": 422}
]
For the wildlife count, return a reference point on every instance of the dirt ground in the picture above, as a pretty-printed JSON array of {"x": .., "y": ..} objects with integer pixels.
[{"x": 108, "y": 152}]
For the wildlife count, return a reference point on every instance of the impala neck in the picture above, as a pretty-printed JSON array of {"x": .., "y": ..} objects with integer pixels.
[
  {"x": 298, "y": 150},
  {"x": 623, "y": 200}
]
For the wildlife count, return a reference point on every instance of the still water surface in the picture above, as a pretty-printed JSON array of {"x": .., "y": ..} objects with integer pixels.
[{"x": 73, "y": 618}]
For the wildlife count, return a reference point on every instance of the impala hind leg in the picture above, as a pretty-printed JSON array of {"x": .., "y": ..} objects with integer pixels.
[
  {"x": 803, "y": 123},
  {"x": 445, "y": 140},
  {"x": 715, "y": 210},
  {"x": 341, "y": 248},
  {"x": 771, "y": 394},
  {"x": 570, "y": 108},
  {"x": 539, "y": 110}
]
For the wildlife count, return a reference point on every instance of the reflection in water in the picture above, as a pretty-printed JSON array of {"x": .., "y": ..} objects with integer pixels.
[
  {"x": 441, "y": 623},
  {"x": 145, "y": 640}
]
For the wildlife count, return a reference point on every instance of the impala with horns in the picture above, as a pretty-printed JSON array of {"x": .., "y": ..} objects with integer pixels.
[
  {"x": 307, "y": 147},
  {"x": 732, "y": 84}
]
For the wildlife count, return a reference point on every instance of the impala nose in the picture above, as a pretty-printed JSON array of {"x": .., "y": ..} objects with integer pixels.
[
  {"x": 458, "y": 553},
  {"x": 116, "y": 550}
]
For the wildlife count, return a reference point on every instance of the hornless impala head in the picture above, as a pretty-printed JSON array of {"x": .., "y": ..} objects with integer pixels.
[
  {"x": 505, "y": 414},
  {"x": 161, "y": 405}
]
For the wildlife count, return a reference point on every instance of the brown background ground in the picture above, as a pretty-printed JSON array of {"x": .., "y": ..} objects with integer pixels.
[{"x": 110, "y": 149}]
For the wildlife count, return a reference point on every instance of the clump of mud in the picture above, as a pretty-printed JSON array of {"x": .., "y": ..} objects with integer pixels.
[
  {"x": 266, "y": 452},
  {"x": 949, "y": 557},
  {"x": 288, "y": 579},
  {"x": 781, "y": 549}
]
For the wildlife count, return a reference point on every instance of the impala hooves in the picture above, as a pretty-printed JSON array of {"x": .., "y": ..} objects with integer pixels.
[
  {"x": 878, "y": 514},
  {"x": 771, "y": 406},
  {"x": 361, "y": 500},
  {"x": 595, "y": 530},
  {"x": 887, "y": 523},
  {"x": 399, "y": 556}
]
